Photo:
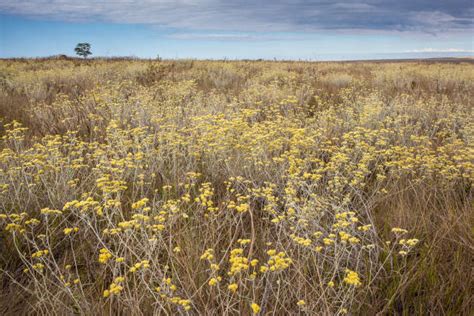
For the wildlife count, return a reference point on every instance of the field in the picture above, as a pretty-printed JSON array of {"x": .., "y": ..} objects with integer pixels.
[{"x": 142, "y": 187}]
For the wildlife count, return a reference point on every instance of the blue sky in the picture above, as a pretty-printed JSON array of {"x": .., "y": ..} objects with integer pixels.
[{"x": 282, "y": 29}]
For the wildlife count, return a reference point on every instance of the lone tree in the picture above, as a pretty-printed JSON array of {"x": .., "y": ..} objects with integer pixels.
[{"x": 83, "y": 49}]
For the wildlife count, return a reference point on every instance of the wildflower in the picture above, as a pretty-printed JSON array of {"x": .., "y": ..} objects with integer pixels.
[
  {"x": 242, "y": 208},
  {"x": 301, "y": 303},
  {"x": 38, "y": 267},
  {"x": 352, "y": 278},
  {"x": 255, "y": 308},
  {"x": 114, "y": 289},
  {"x": 233, "y": 287},
  {"x": 40, "y": 253},
  {"x": 208, "y": 254},
  {"x": 238, "y": 262},
  {"x": 139, "y": 204},
  {"x": 186, "y": 304},
  {"x": 104, "y": 256},
  {"x": 354, "y": 240},
  {"x": 277, "y": 261},
  {"x": 271, "y": 252},
  {"x": 32, "y": 222},
  {"x": 412, "y": 242},
  {"x": 398, "y": 230},
  {"x": 317, "y": 234},
  {"x": 328, "y": 241},
  {"x": 244, "y": 242},
  {"x": 13, "y": 227},
  {"x": 68, "y": 231},
  {"x": 302, "y": 241},
  {"x": 213, "y": 281},
  {"x": 145, "y": 264},
  {"x": 364, "y": 228},
  {"x": 47, "y": 211}
]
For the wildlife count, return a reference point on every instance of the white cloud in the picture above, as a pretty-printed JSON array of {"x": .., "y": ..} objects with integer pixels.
[
  {"x": 363, "y": 7},
  {"x": 438, "y": 50},
  {"x": 261, "y": 15},
  {"x": 237, "y": 36}
]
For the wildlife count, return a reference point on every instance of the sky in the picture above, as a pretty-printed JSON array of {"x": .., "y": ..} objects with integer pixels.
[{"x": 236, "y": 29}]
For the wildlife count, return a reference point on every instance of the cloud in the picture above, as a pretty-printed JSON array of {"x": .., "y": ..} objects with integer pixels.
[
  {"x": 438, "y": 50},
  {"x": 254, "y": 37},
  {"x": 261, "y": 15}
]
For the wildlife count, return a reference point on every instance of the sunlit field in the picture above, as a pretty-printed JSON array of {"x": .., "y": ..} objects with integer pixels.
[{"x": 140, "y": 187}]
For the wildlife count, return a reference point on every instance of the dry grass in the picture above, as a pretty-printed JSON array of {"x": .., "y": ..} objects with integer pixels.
[{"x": 201, "y": 187}]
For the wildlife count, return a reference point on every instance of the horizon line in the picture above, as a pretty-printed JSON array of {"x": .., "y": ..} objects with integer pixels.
[{"x": 274, "y": 59}]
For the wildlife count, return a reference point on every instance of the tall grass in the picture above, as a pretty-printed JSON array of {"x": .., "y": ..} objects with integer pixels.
[{"x": 200, "y": 187}]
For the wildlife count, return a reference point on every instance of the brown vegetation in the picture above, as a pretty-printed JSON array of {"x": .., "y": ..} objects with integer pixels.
[{"x": 236, "y": 187}]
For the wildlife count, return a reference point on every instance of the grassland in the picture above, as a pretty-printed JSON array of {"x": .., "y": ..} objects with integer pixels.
[{"x": 211, "y": 187}]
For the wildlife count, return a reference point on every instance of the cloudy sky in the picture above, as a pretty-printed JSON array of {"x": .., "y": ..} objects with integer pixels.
[{"x": 290, "y": 29}]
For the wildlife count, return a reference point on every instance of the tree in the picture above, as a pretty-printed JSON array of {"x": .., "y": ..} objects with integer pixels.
[{"x": 83, "y": 49}]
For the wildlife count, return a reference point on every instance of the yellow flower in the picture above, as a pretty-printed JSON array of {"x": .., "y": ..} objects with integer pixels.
[
  {"x": 255, "y": 308},
  {"x": 213, "y": 282},
  {"x": 208, "y": 254},
  {"x": 68, "y": 231},
  {"x": 233, "y": 287},
  {"x": 114, "y": 289},
  {"x": 38, "y": 267},
  {"x": 412, "y": 242},
  {"x": 40, "y": 253},
  {"x": 352, "y": 278},
  {"x": 301, "y": 303},
  {"x": 104, "y": 256},
  {"x": 47, "y": 211},
  {"x": 244, "y": 241},
  {"x": 398, "y": 230},
  {"x": 140, "y": 204}
]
